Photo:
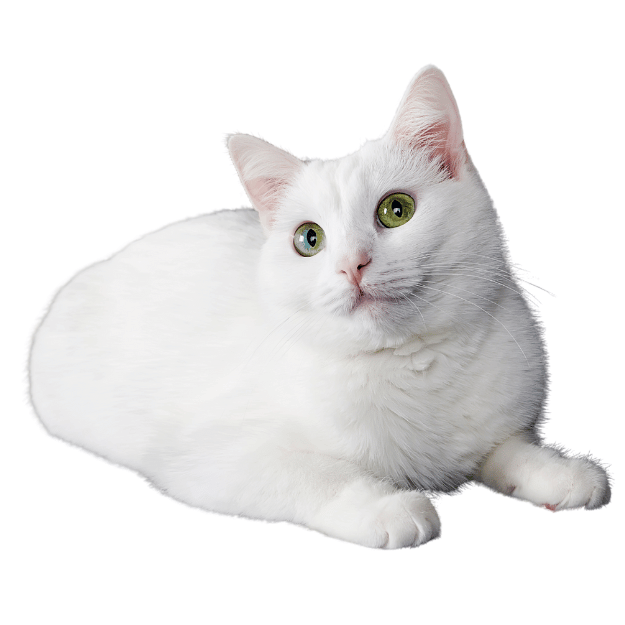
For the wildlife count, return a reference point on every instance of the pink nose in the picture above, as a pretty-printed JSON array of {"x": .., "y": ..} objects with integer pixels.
[{"x": 352, "y": 267}]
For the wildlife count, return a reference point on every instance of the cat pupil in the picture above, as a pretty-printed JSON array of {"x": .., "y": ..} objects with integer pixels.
[
  {"x": 311, "y": 237},
  {"x": 396, "y": 206}
]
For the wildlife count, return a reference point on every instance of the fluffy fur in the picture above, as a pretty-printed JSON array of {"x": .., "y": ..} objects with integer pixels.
[{"x": 330, "y": 390}]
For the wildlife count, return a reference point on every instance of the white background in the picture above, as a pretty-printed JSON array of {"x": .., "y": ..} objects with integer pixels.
[{"x": 113, "y": 120}]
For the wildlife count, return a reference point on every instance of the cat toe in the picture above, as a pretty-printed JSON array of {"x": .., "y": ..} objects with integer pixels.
[
  {"x": 577, "y": 483},
  {"x": 388, "y": 520},
  {"x": 601, "y": 493},
  {"x": 409, "y": 519}
]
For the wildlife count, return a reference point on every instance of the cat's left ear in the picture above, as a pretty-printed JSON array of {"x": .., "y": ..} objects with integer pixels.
[
  {"x": 428, "y": 118},
  {"x": 265, "y": 171}
]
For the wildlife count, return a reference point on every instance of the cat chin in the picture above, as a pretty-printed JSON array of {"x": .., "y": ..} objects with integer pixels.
[{"x": 372, "y": 325}]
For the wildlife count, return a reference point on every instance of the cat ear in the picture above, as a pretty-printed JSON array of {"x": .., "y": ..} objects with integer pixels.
[
  {"x": 265, "y": 172},
  {"x": 428, "y": 118}
]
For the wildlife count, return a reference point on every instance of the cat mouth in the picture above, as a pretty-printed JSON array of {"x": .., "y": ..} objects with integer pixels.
[{"x": 365, "y": 299}]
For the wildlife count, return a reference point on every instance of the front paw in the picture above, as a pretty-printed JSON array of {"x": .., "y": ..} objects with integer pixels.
[
  {"x": 390, "y": 520},
  {"x": 406, "y": 519},
  {"x": 567, "y": 483}
]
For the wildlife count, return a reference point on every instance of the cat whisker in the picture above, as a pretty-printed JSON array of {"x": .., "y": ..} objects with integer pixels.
[
  {"x": 501, "y": 278},
  {"x": 508, "y": 269},
  {"x": 485, "y": 311},
  {"x": 482, "y": 267},
  {"x": 291, "y": 337},
  {"x": 466, "y": 275},
  {"x": 418, "y": 309},
  {"x": 492, "y": 259},
  {"x": 453, "y": 286},
  {"x": 273, "y": 331}
]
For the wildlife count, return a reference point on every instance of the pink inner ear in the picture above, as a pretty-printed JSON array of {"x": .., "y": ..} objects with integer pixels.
[
  {"x": 438, "y": 139},
  {"x": 265, "y": 193},
  {"x": 428, "y": 119},
  {"x": 265, "y": 171}
]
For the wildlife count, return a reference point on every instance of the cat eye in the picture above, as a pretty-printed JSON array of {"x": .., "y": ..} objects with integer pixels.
[
  {"x": 395, "y": 210},
  {"x": 309, "y": 239}
]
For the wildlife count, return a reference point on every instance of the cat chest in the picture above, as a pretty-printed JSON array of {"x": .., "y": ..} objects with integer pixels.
[{"x": 420, "y": 419}]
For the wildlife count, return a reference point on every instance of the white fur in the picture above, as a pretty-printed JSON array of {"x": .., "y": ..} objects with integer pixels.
[{"x": 243, "y": 378}]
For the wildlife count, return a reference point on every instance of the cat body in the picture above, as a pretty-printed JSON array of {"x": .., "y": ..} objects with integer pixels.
[{"x": 328, "y": 384}]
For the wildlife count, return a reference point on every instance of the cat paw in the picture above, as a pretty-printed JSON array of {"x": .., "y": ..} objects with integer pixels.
[
  {"x": 567, "y": 483},
  {"x": 406, "y": 519},
  {"x": 386, "y": 521}
]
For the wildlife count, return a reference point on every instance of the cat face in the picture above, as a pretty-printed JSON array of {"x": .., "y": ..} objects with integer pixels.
[{"x": 356, "y": 247}]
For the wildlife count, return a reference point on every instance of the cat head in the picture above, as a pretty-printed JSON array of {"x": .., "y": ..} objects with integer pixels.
[{"x": 358, "y": 249}]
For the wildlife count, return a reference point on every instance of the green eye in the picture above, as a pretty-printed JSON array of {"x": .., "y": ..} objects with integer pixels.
[
  {"x": 309, "y": 239},
  {"x": 395, "y": 210}
]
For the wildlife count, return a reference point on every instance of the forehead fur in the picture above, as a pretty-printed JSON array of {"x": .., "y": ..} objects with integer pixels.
[{"x": 350, "y": 188}]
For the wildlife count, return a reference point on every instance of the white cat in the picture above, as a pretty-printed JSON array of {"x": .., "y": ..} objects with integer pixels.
[{"x": 357, "y": 340}]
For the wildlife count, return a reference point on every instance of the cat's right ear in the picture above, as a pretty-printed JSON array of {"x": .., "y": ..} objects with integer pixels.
[
  {"x": 265, "y": 171},
  {"x": 428, "y": 118}
]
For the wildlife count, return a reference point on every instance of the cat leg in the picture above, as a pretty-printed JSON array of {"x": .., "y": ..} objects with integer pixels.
[
  {"x": 332, "y": 496},
  {"x": 522, "y": 468},
  {"x": 375, "y": 514}
]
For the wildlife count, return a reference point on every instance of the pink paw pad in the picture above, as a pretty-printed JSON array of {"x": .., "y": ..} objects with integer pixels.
[{"x": 550, "y": 506}]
